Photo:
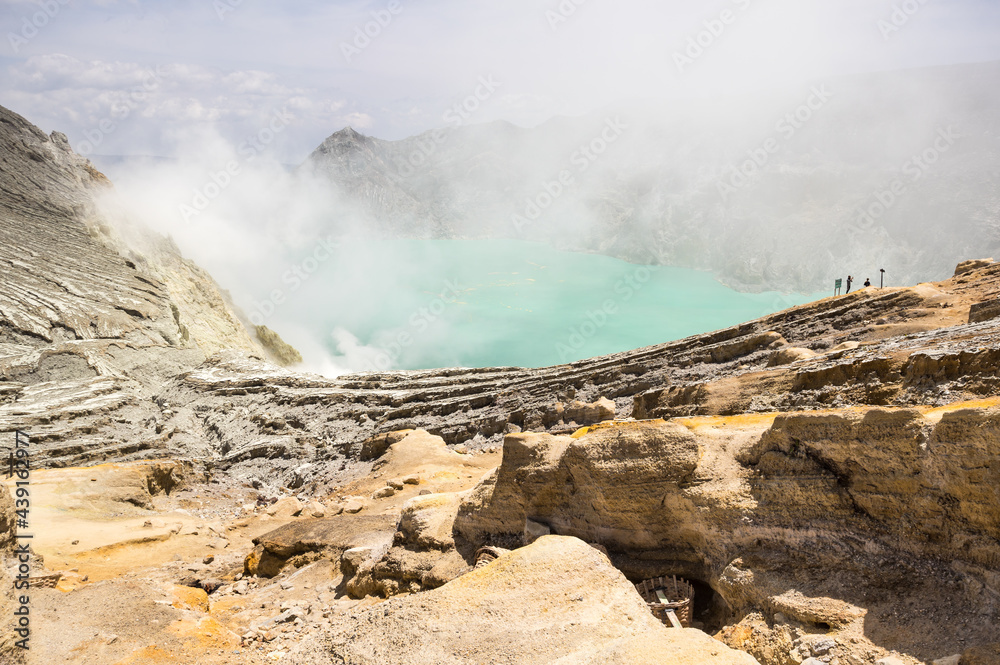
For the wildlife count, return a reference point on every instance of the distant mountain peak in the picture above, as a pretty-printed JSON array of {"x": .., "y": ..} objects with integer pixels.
[
  {"x": 346, "y": 135},
  {"x": 346, "y": 142}
]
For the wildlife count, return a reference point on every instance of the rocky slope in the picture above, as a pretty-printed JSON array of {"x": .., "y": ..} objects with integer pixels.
[
  {"x": 745, "y": 194},
  {"x": 825, "y": 476},
  {"x": 95, "y": 313}
]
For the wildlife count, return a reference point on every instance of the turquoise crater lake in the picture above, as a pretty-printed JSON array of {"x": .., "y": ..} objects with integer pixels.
[{"x": 421, "y": 304}]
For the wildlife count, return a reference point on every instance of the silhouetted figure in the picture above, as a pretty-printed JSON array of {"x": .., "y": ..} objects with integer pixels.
[
  {"x": 849, "y": 280},
  {"x": 868, "y": 281}
]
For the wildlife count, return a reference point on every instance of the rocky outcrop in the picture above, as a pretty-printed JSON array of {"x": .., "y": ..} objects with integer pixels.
[
  {"x": 971, "y": 265},
  {"x": 579, "y": 413},
  {"x": 282, "y": 352},
  {"x": 825, "y": 521},
  {"x": 556, "y": 601},
  {"x": 984, "y": 311},
  {"x": 95, "y": 312},
  {"x": 304, "y": 541}
]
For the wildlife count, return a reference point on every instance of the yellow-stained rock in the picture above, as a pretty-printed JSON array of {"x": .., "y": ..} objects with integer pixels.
[{"x": 189, "y": 598}]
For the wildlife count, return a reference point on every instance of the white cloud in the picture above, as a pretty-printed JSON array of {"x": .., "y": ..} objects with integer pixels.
[{"x": 270, "y": 55}]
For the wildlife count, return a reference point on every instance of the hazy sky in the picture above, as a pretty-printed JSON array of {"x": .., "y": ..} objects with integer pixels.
[{"x": 229, "y": 66}]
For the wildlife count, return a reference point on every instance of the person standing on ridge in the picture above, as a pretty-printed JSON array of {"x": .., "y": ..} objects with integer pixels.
[
  {"x": 868, "y": 281},
  {"x": 849, "y": 280}
]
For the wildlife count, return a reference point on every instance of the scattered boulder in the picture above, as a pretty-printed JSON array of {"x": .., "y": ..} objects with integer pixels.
[
  {"x": 844, "y": 346},
  {"x": 384, "y": 493},
  {"x": 285, "y": 508},
  {"x": 589, "y": 414},
  {"x": 353, "y": 559},
  {"x": 427, "y": 521},
  {"x": 950, "y": 660},
  {"x": 354, "y": 505},
  {"x": 316, "y": 509},
  {"x": 304, "y": 541},
  {"x": 790, "y": 355}
]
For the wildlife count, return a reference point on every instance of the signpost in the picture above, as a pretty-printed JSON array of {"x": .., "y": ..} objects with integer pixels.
[
  {"x": 881, "y": 283},
  {"x": 837, "y": 286}
]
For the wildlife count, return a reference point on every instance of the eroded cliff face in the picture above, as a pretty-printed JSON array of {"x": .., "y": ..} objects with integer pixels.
[
  {"x": 95, "y": 313},
  {"x": 826, "y": 524}
]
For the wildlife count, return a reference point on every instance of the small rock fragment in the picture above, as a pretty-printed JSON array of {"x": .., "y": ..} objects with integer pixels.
[
  {"x": 287, "y": 507},
  {"x": 354, "y": 506},
  {"x": 384, "y": 493}
]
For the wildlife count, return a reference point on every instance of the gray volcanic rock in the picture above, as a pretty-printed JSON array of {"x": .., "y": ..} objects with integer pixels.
[{"x": 94, "y": 313}]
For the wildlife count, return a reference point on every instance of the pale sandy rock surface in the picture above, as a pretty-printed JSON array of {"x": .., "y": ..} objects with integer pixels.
[{"x": 556, "y": 601}]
